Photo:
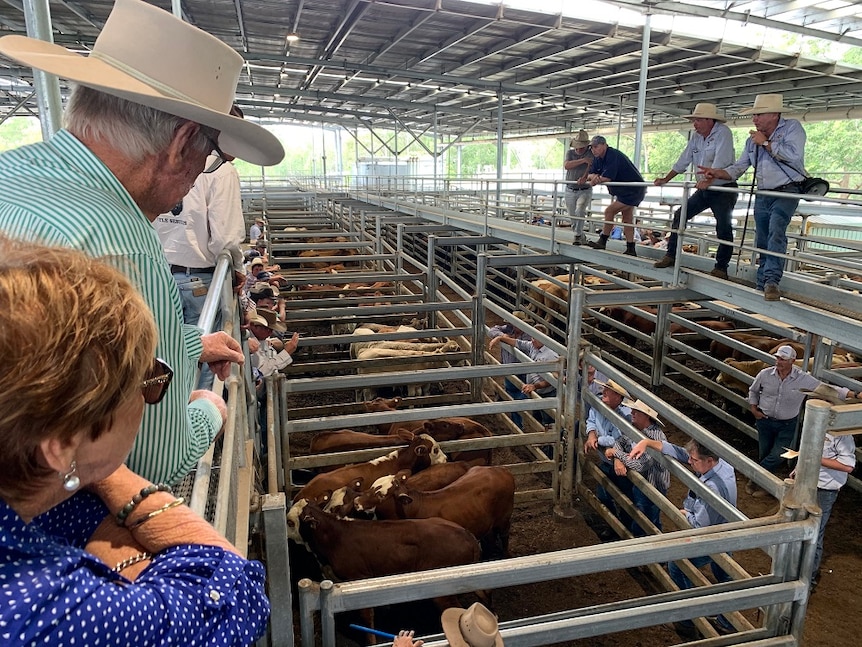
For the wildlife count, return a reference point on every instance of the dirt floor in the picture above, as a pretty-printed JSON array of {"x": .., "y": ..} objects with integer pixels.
[{"x": 536, "y": 530}]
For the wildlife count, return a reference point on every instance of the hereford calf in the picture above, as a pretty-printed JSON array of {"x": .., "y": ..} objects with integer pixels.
[
  {"x": 480, "y": 501},
  {"x": 422, "y": 452}
]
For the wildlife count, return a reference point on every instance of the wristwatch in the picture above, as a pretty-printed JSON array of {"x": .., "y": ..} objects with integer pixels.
[{"x": 765, "y": 143}]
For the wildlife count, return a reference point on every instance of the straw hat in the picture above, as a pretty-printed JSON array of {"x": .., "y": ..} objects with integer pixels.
[
  {"x": 266, "y": 318},
  {"x": 473, "y": 627},
  {"x": 520, "y": 314},
  {"x": 257, "y": 261},
  {"x": 581, "y": 138},
  {"x": 613, "y": 386},
  {"x": 643, "y": 407},
  {"x": 828, "y": 393},
  {"x": 706, "y": 111},
  {"x": 765, "y": 103},
  {"x": 147, "y": 56}
]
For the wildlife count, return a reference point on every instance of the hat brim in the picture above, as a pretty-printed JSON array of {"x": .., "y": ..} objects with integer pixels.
[
  {"x": 450, "y": 621},
  {"x": 761, "y": 111},
  {"x": 713, "y": 117},
  {"x": 238, "y": 138},
  {"x": 831, "y": 397}
]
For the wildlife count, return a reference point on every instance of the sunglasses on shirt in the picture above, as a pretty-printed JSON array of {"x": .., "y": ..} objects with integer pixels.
[{"x": 156, "y": 381}]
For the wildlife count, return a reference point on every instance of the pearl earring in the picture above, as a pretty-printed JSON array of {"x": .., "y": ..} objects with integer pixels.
[{"x": 71, "y": 482}]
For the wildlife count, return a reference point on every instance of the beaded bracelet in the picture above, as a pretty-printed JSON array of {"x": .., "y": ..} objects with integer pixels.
[
  {"x": 156, "y": 512},
  {"x": 123, "y": 514},
  {"x": 129, "y": 561}
]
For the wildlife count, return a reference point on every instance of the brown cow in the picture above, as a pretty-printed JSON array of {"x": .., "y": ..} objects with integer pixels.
[
  {"x": 481, "y": 501},
  {"x": 755, "y": 340},
  {"x": 422, "y": 452},
  {"x": 358, "y": 549},
  {"x": 431, "y": 478},
  {"x": 443, "y": 429},
  {"x": 345, "y": 440},
  {"x": 754, "y": 366}
]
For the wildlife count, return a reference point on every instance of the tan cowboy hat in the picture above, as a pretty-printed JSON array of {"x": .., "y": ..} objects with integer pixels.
[
  {"x": 706, "y": 111},
  {"x": 613, "y": 386},
  {"x": 828, "y": 393},
  {"x": 643, "y": 407},
  {"x": 147, "y": 56},
  {"x": 267, "y": 318},
  {"x": 581, "y": 138},
  {"x": 473, "y": 627},
  {"x": 520, "y": 314},
  {"x": 765, "y": 103}
]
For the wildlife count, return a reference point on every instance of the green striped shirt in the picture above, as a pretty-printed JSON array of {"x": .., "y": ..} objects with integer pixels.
[{"x": 59, "y": 193}]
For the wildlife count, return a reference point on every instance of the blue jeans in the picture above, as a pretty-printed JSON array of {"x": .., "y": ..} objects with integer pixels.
[
  {"x": 771, "y": 217},
  {"x": 681, "y": 580},
  {"x": 515, "y": 393},
  {"x": 651, "y": 511},
  {"x": 825, "y": 499},
  {"x": 193, "y": 288},
  {"x": 577, "y": 204},
  {"x": 624, "y": 485},
  {"x": 721, "y": 204},
  {"x": 772, "y": 438}
]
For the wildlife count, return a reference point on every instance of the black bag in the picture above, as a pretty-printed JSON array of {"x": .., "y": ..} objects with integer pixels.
[{"x": 813, "y": 186}]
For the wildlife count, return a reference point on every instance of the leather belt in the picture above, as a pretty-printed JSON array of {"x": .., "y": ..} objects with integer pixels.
[
  {"x": 182, "y": 269},
  {"x": 578, "y": 188}
]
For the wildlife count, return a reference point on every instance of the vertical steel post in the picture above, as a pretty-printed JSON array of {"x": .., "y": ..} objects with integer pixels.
[
  {"x": 571, "y": 411},
  {"x": 642, "y": 86},
  {"x": 278, "y": 569},
  {"x": 37, "y": 17}
]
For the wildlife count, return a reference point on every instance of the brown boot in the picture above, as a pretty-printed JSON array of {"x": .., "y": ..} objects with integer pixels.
[{"x": 665, "y": 261}]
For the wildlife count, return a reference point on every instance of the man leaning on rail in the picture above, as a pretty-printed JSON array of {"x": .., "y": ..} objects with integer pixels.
[{"x": 139, "y": 128}]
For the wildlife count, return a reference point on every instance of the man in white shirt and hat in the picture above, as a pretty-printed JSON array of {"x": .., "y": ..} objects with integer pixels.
[
  {"x": 776, "y": 150},
  {"x": 711, "y": 144},
  {"x": 150, "y": 103}
]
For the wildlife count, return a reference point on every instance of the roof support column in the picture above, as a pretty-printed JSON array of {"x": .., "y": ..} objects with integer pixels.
[
  {"x": 499, "y": 151},
  {"x": 642, "y": 91},
  {"x": 37, "y": 16}
]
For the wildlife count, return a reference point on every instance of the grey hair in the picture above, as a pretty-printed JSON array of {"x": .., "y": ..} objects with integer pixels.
[
  {"x": 132, "y": 129},
  {"x": 702, "y": 450}
]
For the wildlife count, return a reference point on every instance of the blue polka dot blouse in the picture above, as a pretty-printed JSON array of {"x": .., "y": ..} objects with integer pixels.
[{"x": 54, "y": 593}]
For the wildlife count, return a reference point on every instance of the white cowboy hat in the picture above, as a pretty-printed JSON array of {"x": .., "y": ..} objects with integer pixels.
[
  {"x": 147, "y": 56},
  {"x": 473, "y": 627},
  {"x": 705, "y": 111},
  {"x": 643, "y": 407},
  {"x": 613, "y": 386},
  {"x": 765, "y": 103}
]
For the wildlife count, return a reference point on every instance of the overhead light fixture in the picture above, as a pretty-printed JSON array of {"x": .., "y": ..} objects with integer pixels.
[
  {"x": 292, "y": 37},
  {"x": 678, "y": 89}
]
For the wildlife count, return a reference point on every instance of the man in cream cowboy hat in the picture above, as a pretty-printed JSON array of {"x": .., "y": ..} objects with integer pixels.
[
  {"x": 776, "y": 150},
  {"x": 473, "y": 627},
  {"x": 645, "y": 419},
  {"x": 603, "y": 433},
  {"x": 579, "y": 192},
  {"x": 150, "y": 103},
  {"x": 710, "y": 145}
]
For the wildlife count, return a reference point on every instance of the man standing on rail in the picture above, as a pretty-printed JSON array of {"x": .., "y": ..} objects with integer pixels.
[
  {"x": 611, "y": 165},
  {"x": 139, "y": 128},
  {"x": 711, "y": 145},
  {"x": 579, "y": 192},
  {"x": 776, "y": 150}
]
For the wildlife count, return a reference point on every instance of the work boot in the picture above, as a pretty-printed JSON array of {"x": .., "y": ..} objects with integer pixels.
[
  {"x": 771, "y": 292},
  {"x": 664, "y": 261},
  {"x": 718, "y": 273},
  {"x": 630, "y": 250},
  {"x": 578, "y": 240},
  {"x": 601, "y": 243}
]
